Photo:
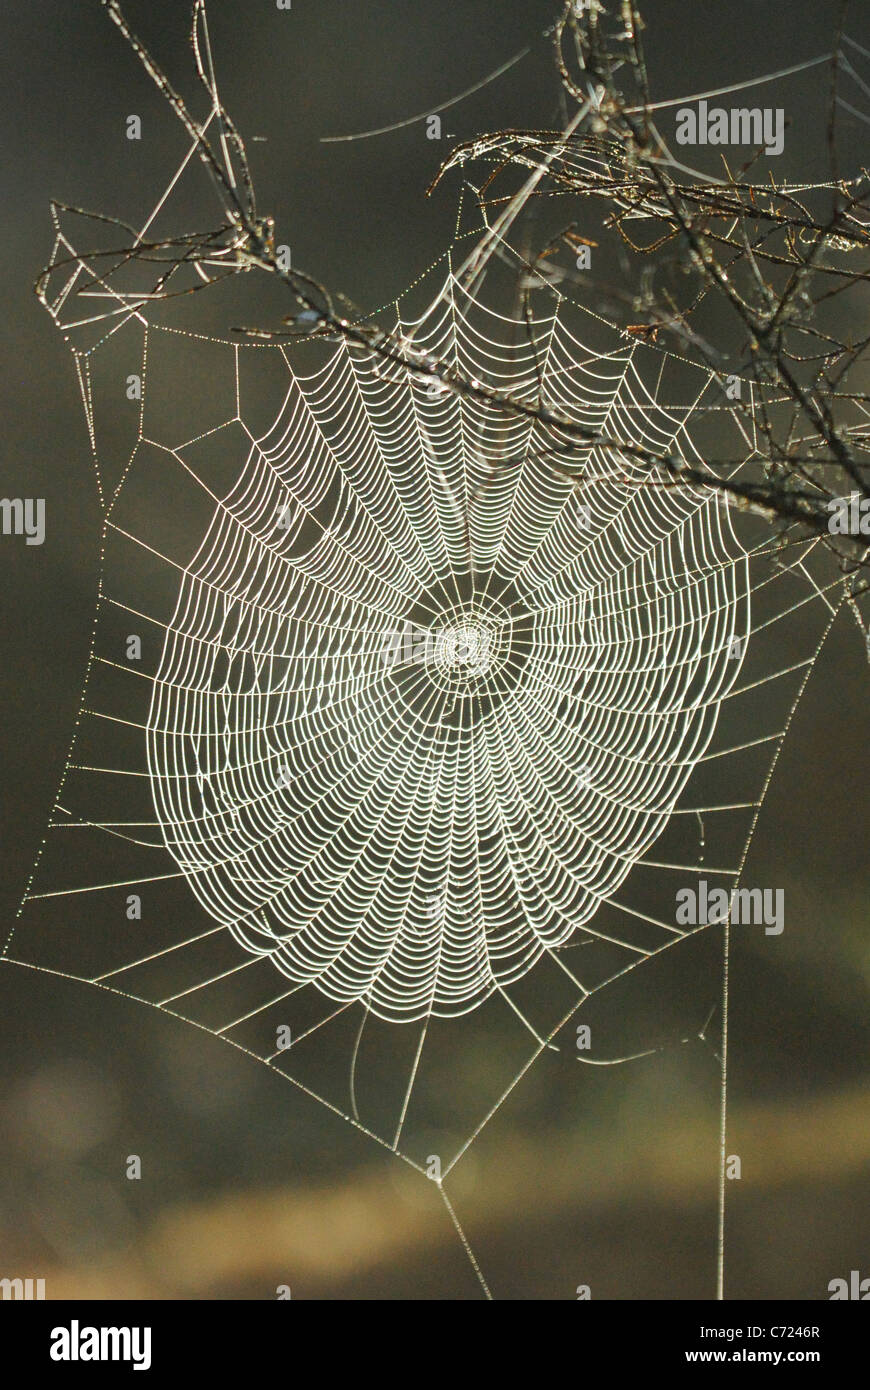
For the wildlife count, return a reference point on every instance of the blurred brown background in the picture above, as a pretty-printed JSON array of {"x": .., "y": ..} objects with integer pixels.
[{"x": 603, "y": 1176}]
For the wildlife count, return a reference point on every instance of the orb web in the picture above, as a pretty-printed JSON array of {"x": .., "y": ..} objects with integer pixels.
[{"x": 382, "y": 659}]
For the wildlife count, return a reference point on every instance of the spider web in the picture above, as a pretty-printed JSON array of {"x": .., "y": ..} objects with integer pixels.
[{"x": 416, "y": 716}]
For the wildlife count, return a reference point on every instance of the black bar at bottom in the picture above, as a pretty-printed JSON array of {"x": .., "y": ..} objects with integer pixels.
[{"x": 238, "y": 1339}]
